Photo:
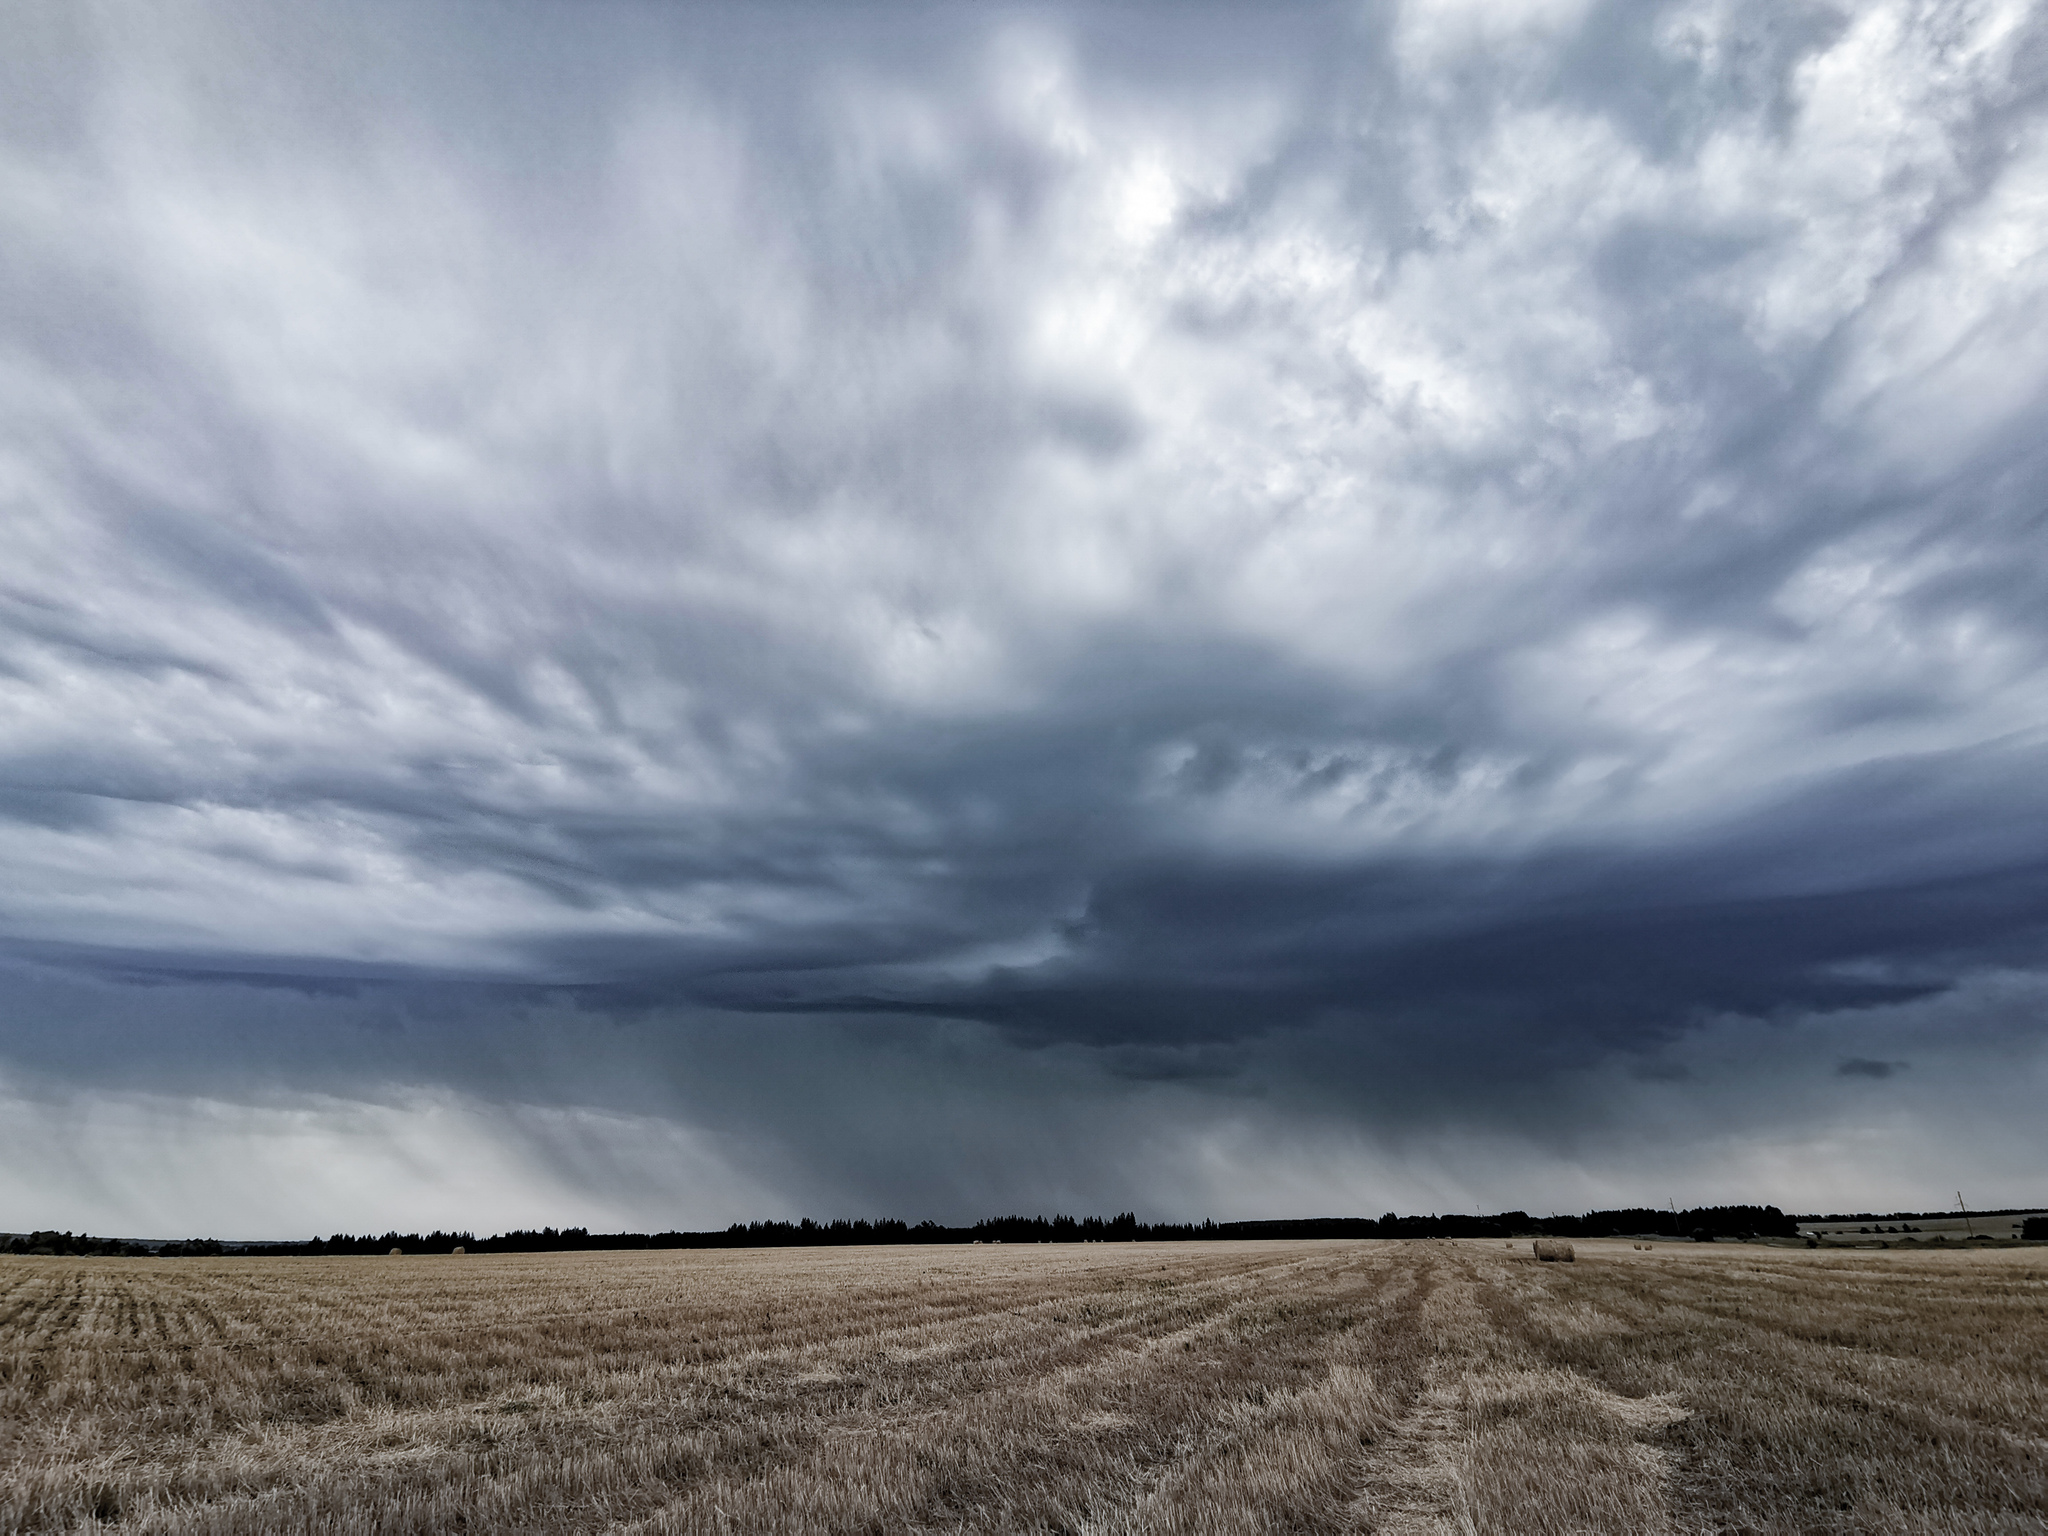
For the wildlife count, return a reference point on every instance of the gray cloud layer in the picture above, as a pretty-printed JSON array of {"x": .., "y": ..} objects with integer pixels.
[{"x": 980, "y": 608}]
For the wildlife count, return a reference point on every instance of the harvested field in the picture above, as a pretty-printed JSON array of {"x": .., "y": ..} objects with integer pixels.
[{"x": 1398, "y": 1387}]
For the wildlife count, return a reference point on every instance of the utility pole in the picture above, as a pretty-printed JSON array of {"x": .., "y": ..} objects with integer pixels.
[{"x": 1967, "y": 1225}]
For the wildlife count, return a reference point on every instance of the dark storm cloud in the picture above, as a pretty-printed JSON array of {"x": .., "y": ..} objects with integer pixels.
[{"x": 855, "y": 580}]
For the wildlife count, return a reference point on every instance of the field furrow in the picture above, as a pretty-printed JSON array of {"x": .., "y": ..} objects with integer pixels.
[{"x": 1111, "y": 1389}]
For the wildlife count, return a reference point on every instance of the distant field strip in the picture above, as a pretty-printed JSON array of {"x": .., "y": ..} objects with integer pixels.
[{"x": 1301, "y": 1387}]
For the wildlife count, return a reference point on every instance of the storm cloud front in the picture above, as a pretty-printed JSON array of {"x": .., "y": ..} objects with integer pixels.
[{"x": 646, "y": 615}]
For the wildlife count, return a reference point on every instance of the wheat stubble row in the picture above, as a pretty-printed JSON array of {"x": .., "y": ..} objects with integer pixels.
[{"x": 1171, "y": 1388}]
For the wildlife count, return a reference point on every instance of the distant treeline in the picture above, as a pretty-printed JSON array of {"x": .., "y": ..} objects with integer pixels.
[
  {"x": 78, "y": 1245},
  {"x": 81, "y": 1245},
  {"x": 1948, "y": 1215},
  {"x": 1700, "y": 1222}
]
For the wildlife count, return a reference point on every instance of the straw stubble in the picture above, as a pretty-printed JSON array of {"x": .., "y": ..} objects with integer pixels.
[{"x": 1190, "y": 1388}]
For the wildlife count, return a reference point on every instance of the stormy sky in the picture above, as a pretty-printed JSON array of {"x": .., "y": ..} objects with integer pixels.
[{"x": 648, "y": 615}]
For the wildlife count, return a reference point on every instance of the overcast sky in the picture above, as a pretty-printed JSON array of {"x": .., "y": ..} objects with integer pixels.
[{"x": 651, "y": 615}]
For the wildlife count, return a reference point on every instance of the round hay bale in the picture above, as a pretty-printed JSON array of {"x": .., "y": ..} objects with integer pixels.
[
  {"x": 397, "y": 1253},
  {"x": 1550, "y": 1250},
  {"x": 459, "y": 1250}
]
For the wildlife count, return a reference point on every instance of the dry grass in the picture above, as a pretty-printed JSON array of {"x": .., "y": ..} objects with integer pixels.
[
  {"x": 1178, "y": 1388},
  {"x": 1883, "y": 1392}
]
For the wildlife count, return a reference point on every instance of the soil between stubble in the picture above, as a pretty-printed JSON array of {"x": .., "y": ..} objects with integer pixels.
[{"x": 1398, "y": 1387}]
